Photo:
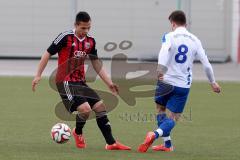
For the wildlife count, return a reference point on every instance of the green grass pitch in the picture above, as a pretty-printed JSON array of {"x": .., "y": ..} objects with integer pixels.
[{"x": 213, "y": 133}]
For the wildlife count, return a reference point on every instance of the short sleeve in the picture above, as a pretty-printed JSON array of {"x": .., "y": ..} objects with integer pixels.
[
  {"x": 57, "y": 44},
  {"x": 93, "y": 53}
]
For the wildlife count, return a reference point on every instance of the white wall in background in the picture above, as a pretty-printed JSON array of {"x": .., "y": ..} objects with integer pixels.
[
  {"x": 140, "y": 21},
  {"x": 29, "y": 26},
  {"x": 235, "y": 28}
]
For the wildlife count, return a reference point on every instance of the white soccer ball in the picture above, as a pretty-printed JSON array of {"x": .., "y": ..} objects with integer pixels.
[{"x": 60, "y": 133}]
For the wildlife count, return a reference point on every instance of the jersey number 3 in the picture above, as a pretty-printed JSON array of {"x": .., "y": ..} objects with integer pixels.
[{"x": 181, "y": 57}]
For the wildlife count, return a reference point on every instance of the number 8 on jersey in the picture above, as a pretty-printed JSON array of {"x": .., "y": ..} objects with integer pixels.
[{"x": 181, "y": 57}]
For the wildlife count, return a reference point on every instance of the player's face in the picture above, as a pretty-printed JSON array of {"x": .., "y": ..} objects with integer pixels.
[{"x": 82, "y": 28}]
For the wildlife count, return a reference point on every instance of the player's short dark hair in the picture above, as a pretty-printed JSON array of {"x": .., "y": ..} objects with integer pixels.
[
  {"x": 178, "y": 17},
  {"x": 82, "y": 17}
]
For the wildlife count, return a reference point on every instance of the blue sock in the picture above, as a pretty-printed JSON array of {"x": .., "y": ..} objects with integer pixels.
[
  {"x": 167, "y": 141},
  {"x": 168, "y": 144},
  {"x": 160, "y": 118},
  {"x": 166, "y": 126}
]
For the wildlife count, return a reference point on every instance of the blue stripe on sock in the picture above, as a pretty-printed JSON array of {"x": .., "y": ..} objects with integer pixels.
[{"x": 156, "y": 134}]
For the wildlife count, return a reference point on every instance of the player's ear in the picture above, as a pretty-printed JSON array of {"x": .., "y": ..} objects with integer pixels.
[
  {"x": 76, "y": 24},
  {"x": 174, "y": 25}
]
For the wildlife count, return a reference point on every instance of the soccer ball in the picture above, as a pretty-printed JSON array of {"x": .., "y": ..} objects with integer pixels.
[{"x": 60, "y": 133}]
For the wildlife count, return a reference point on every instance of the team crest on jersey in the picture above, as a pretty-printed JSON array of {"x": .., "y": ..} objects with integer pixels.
[
  {"x": 73, "y": 44},
  {"x": 87, "y": 45}
]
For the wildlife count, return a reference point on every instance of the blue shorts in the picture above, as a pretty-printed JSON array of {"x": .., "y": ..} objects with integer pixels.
[{"x": 172, "y": 97}]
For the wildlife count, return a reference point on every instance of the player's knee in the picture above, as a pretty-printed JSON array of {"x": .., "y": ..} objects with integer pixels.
[
  {"x": 161, "y": 108},
  {"x": 174, "y": 116},
  {"x": 99, "y": 107},
  {"x": 84, "y": 109},
  {"x": 177, "y": 118}
]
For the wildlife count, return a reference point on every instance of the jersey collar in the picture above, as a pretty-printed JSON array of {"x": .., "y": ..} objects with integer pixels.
[
  {"x": 74, "y": 30},
  {"x": 180, "y": 29}
]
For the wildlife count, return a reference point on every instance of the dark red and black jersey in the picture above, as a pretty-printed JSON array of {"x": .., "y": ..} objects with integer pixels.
[{"x": 72, "y": 53}]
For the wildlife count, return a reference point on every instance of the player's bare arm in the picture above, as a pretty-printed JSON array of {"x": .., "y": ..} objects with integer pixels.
[
  {"x": 42, "y": 64},
  {"x": 97, "y": 65}
]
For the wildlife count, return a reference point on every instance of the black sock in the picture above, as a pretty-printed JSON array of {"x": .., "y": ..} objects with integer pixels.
[
  {"x": 80, "y": 122},
  {"x": 105, "y": 127}
]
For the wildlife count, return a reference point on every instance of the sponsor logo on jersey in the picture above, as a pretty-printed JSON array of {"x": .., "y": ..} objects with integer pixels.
[{"x": 80, "y": 54}]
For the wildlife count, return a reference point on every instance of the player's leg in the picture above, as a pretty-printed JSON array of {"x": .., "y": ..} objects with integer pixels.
[
  {"x": 104, "y": 125},
  {"x": 82, "y": 116},
  {"x": 161, "y": 112},
  {"x": 83, "y": 113},
  {"x": 167, "y": 146},
  {"x": 100, "y": 110},
  {"x": 164, "y": 122},
  {"x": 174, "y": 116},
  {"x": 162, "y": 95},
  {"x": 74, "y": 102},
  {"x": 103, "y": 122},
  {"x": 165, "y": 125},
  {"x": 80, "y": 105},
  {"x": 175, "y": 107}
]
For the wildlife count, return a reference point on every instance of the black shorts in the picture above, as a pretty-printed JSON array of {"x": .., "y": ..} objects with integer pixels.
[{"x": 74, "y": 94}]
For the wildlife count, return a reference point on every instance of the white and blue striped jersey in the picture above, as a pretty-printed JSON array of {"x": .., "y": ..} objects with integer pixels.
[{"x": 179, "y": 49}]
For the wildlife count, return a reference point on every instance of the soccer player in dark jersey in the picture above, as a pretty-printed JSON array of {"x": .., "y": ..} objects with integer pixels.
[{"x": 73, "y": 47}]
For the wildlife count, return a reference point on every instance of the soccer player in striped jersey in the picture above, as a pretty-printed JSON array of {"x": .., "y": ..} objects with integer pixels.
[{"x": 73, "y": 47}]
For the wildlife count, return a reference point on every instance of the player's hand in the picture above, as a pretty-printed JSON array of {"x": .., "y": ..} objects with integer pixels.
[
  {"x": 114, "y": 88},
  {"x": 215, "y": 87},
  {"x": 35, "y": 82}
]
